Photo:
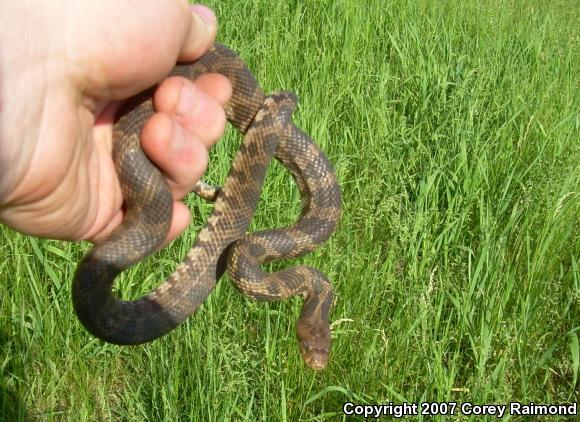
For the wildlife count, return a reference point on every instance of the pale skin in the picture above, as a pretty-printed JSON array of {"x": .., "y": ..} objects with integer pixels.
[{"x": 65, "y": 68}]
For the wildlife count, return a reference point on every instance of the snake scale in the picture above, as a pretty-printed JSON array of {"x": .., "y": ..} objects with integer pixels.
[{"x": 222, "y": 243}]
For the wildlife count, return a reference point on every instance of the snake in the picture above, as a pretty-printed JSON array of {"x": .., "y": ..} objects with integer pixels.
[{"x": 223, "y": 244}]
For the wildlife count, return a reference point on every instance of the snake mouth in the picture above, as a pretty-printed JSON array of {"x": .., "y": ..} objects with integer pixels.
[{"x": 314, "y": 357}]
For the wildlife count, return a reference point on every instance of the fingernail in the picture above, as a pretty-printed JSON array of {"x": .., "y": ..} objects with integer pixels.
[
  {"x": 187, "y": 100},
  {"x": 177, "y": 138},
  {"x": 204, "y": 13}
]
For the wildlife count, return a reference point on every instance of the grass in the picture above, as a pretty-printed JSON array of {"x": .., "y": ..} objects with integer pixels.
[{"x": 454, "y": 129}]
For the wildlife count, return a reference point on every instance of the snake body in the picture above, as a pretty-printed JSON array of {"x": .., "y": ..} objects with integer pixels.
[{"x": 222, "y": 242}]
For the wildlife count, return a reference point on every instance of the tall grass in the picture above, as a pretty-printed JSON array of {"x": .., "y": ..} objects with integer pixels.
[{"x": 454, "y": 129}]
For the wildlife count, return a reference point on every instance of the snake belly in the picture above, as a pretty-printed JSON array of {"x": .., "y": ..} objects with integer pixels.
[{"x": 269, "y": 132}]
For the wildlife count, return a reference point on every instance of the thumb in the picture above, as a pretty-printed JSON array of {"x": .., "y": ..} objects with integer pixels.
[
  {"x": 142, "y": 50},
  {"x": 201, "y": 34}
]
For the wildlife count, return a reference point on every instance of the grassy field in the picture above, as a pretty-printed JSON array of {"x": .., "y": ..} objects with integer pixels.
[{"x": 455, "y": 131}]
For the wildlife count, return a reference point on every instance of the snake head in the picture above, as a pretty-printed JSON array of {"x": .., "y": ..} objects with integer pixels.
[{"x": 314, "y": 343}]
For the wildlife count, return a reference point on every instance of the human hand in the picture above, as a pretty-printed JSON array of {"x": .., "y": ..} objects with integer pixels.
[{"x": 65, "y": 68}]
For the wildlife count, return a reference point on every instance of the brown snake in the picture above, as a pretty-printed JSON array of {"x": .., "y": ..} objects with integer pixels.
[{"x": 269, "y": 132}]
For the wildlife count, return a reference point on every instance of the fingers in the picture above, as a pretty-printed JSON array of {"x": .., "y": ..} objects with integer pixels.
[{"x": 189, "y": 120}]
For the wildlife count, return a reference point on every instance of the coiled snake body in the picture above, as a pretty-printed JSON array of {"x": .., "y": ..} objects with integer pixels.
[{"x": 269, "y": 131}]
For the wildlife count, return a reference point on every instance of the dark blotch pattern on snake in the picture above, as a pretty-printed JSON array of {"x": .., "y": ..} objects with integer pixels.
[{"x": 269, "y": 132}]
